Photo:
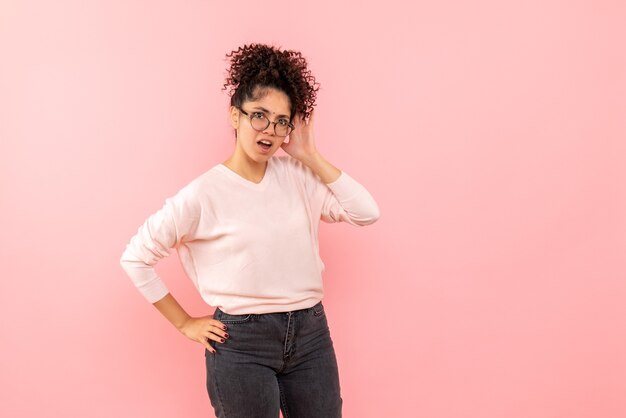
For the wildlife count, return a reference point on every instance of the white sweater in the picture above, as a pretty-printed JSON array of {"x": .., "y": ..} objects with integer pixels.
[{"x": 248, "y": 247}]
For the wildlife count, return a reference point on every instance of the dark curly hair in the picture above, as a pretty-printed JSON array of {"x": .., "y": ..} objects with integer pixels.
[{"x": 263, "y": 66}]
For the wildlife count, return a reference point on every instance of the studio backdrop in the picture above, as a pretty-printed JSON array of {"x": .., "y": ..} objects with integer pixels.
[{"x": 491, "y": 133}]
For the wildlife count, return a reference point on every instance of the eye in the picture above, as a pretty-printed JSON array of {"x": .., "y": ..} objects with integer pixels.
[
  {"x": 258, "y": 115},
  {"x": 283, "y": 122}
]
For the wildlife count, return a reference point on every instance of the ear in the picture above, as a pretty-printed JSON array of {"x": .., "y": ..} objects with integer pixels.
[{"x": 234, "y": 117}]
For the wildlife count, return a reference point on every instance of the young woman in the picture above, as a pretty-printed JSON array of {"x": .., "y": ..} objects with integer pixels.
[{"x": 246, "y": 232}]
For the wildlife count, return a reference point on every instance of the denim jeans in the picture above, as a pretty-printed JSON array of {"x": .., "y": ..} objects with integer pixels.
[{"x": 272, "y": 361}]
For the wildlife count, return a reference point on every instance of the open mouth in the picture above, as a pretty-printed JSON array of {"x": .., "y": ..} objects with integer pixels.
[{"x": 265, "y": 145}]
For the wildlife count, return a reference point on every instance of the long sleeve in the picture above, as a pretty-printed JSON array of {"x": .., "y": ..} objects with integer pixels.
[
  {"x": 345, "y": 200},
  {"x": 167, "y": 228},
  {"x": 248, "y": 247}
]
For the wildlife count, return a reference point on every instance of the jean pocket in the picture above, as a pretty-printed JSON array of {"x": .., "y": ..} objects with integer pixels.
[
  {"x": 232, "y": 319},
  {"x": 318, "y": 310}
]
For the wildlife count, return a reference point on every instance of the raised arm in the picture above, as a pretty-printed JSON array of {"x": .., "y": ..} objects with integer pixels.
[{"x": 342, "y": 198}]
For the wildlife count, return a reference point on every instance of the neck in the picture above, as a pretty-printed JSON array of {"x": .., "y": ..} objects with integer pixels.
[{"x": 246, "y": 167}]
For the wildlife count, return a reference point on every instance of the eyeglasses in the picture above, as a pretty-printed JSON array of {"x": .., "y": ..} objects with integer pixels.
[{"x": 260, "y": 122}]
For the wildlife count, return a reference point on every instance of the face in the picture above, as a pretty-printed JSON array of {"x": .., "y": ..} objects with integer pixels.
[{"x": 274, "y": 104}]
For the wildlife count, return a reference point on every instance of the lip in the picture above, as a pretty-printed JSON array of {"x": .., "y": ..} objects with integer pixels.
[{"x": 263, "y": 150}]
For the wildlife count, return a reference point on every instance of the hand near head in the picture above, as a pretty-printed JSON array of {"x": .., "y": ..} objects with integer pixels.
[{"x": 301, "y": 140}]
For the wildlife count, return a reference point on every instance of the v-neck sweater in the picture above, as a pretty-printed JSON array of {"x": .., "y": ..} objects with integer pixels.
[{"x": 248, "y": 247}]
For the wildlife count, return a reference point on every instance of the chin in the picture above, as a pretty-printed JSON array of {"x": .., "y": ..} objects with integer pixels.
[
  {"x": 260, "y": 158},
  {"x": 257, "y": 156}
]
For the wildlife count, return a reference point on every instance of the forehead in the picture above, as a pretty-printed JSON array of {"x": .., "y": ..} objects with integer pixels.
[{"x": 272, "y": 102}]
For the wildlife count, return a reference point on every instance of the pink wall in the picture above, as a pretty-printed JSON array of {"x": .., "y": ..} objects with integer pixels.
[{"x": 493, "y": 136}]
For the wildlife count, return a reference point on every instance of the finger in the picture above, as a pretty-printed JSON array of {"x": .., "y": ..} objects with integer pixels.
[
  {"x": 220, "y": 332},
  {"x": 216, "y": 327},
  {"x": 208, "y": 346},
  {"x": 217, "y": 337},
  {"x": 218, "y": 324},
  {"x": 213, "y": 337}
]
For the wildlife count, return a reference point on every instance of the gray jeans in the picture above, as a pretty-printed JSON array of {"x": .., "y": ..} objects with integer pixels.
[{"x": 272, "y": 361}]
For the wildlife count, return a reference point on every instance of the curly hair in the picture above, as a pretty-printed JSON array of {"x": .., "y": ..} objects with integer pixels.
[{"x": 263, "y": 66}]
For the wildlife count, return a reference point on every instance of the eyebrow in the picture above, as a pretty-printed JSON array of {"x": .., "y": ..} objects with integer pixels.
[{"x": 267, "y": 111}]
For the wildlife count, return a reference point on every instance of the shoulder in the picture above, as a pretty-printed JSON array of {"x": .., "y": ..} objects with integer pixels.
[
  {"x": 198, "y": 187},
  {"x": 291, "y": 166}
]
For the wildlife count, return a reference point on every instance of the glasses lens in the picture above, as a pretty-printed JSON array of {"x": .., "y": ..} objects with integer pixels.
[
  {"x": 259, "y": 121},
  {"x": 282, "y": 130}
]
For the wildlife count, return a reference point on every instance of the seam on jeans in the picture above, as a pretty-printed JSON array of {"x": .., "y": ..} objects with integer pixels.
[
  {"x": 283, "y": 400},
  {"x": 246, "y": 318},
  {"x": 217, "y": 387}
]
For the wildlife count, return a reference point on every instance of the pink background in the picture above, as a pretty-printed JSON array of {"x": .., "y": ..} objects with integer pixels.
[{"x": 492, "y": 134}]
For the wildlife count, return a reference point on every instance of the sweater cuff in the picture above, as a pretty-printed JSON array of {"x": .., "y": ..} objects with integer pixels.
[{"x": 154, "y": 291}]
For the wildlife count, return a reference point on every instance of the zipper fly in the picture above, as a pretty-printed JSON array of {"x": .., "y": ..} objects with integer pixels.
[{"x": 288, "y": 335}]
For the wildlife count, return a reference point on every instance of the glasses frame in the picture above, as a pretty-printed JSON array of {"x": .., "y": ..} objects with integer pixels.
[{"x": 269, "y": 122}]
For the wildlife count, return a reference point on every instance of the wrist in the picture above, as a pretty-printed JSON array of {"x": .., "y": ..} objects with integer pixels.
[
  {"x": 182, "y": 323},
  {"x": 312, "y": 159}
]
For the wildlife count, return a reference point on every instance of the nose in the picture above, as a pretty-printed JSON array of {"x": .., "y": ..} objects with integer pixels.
[{"x": 269, "y": 130}]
